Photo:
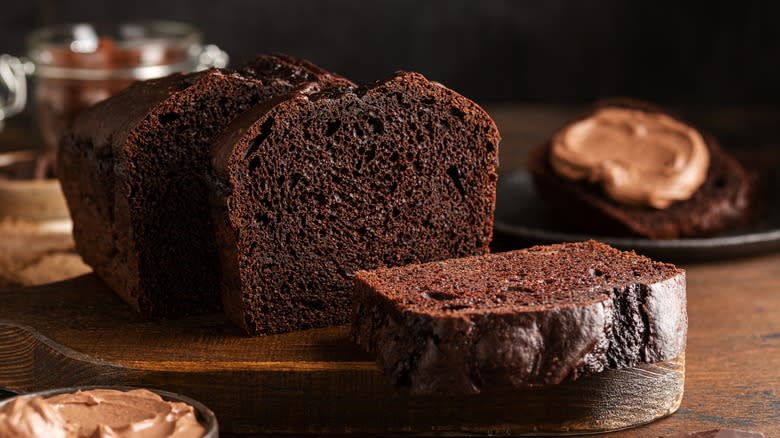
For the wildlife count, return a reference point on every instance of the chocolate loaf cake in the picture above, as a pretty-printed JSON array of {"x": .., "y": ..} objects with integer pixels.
[
  {"x": 132, "y": 170},
  {"x": 722, "y": 201},
  {"x": 310, "y": 189},
  {"x": 528, "y": 317}
]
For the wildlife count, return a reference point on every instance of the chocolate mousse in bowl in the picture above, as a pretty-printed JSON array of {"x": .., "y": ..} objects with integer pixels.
[{"x": 105, "y": 412}]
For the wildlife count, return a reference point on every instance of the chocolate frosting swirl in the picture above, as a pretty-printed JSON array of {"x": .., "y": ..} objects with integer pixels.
[{"x": 638, "y": 157}]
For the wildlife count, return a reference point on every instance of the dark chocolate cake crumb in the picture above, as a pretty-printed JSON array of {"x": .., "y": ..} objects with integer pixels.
[{"x": 310, "y": 189}]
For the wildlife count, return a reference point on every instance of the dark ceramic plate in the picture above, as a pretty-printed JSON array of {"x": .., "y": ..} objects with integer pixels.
[{"x": 522, "y": 215}]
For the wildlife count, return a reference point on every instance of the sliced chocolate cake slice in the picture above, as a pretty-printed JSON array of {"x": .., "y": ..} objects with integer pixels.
[
  {"x": 132, "y": 170},
  {"x": 528, "y": 317},
  {"x": 310, "y": 189}
]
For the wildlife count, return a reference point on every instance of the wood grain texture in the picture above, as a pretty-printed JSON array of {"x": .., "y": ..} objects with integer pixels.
[{"x": 77, "y": 332}]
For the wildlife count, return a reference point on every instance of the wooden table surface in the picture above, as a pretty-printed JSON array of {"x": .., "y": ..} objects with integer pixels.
[{"x": 733, "y": 354}]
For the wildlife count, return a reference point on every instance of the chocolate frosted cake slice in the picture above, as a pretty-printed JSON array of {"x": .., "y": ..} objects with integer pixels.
[
  {"x": 132, "y": 170},
  {"x": 722, "y": 200},
  {"x": 310, "y": 189},
  {"x": 529, "y": 317}
]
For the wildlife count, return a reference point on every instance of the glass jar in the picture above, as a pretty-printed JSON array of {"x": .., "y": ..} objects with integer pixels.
[{"x": 77, "y": 65}]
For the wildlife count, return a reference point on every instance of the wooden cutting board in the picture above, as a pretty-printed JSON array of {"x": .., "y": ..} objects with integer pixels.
[{"x": 316, "y": 381}]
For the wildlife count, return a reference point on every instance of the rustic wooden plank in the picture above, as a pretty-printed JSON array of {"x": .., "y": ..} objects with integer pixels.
[
  {"x": 317, "y": 380},
  {"x": 77, "y": 332}
]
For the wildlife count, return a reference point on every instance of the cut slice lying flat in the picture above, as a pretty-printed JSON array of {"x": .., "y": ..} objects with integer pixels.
[{"x": 528, "y": 317}]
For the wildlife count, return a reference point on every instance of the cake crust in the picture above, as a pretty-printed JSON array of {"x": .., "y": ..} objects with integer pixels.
[{"x": 528, "y": 317}]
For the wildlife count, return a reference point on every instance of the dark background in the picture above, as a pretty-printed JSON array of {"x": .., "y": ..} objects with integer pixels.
[{"x": 492, "y": 50}]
